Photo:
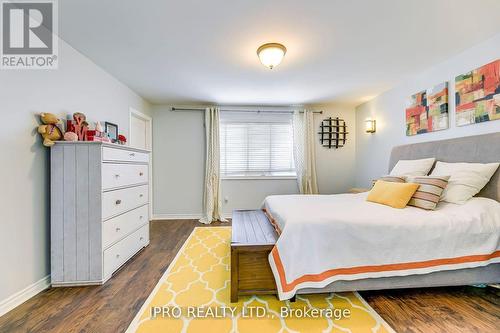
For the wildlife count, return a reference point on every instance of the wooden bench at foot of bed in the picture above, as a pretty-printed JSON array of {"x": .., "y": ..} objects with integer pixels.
[{"x": 252, "y": 238}]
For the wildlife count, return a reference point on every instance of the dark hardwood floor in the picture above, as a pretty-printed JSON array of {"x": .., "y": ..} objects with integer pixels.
[
  {"x": 111, "y": 307},
  {"x": 457, "y": 309}
]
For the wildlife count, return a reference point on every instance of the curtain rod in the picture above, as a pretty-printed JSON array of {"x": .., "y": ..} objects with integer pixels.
[{"x": 229, "y": 110}]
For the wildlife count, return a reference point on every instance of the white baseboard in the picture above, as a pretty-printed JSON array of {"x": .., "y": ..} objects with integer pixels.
[
  {"x": 176, "y": 217},
  {"x": 182, "y": 216},
  {"x": 22, "y": 296}
]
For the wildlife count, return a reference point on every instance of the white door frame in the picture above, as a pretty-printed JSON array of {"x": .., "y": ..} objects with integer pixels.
[{"x": 134, "y": 113}]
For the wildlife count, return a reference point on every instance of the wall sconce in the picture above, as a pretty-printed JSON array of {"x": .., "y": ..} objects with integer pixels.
[{"x": 370, "y": 126}]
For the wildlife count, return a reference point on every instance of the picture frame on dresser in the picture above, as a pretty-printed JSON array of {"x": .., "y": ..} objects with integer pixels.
[
  {"x": 99, "y": 210},
  {"x": 112, "y": 131}
]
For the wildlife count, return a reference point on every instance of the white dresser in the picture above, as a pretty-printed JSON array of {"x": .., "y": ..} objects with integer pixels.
[{"x": 99, "y": 210}]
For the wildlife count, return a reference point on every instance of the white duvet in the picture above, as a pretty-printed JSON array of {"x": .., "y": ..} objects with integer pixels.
[{"x": 325, "y": 238}]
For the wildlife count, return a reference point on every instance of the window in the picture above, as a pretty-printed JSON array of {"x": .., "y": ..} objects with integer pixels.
[{"x": 256, "y": 144}]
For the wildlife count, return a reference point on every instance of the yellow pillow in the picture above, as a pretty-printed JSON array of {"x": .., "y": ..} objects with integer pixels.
[{"x": 396, "y": 195}]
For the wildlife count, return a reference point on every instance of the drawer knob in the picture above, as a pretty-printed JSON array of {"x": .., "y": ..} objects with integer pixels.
[
  {"x": 132, "y": 154},
  {"x": 118, "y": 229},
  {"x": 117, "y": 256},
  {"x": 118, "y": 202},
  {"x": 117, "y": 175},
  {"x": 141, "y": 173},
  {"x": 141, "y": 238},
  {"x": 140, "y": 217},
  {"x": 141, "y": 195}
]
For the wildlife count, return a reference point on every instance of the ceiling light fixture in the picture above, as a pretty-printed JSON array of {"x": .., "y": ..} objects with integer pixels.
[{"x": 271, "y": 54}]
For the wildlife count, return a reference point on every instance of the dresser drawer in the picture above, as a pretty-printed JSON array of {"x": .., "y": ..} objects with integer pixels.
[
  {"x": 119, "y": 253},
  {"x": 122, "y": 225},
  {"x": 118, "y": 175},
  {"x": 121, "y": 155},
  {"x": 119, "y": 201}
]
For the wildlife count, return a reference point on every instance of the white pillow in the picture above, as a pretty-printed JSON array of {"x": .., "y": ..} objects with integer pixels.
[
  {"x": 413, "y": 167},
  {"x": 466, "y": 179}
]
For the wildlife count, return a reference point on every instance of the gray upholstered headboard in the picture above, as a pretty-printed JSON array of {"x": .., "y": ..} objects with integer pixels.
[{"x": 479, "y": 148}]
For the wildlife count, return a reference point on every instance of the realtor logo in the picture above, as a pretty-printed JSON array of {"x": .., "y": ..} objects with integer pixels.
[{"x": 29, "y": 34}]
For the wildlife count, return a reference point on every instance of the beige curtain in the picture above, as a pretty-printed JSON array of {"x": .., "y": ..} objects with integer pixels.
[
  {"x": 304, "y": 151},
  {"x": 212, "y": 207}
]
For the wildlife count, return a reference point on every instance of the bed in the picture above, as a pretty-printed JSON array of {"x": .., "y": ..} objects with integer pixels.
[{"x": 383, "y": 248}]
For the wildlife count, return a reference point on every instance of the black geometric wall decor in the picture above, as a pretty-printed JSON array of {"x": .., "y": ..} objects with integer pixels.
[{"x": 333, "y": 133}]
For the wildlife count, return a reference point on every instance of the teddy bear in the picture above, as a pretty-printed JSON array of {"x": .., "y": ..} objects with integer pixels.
[{"x": 49, "y": 130}]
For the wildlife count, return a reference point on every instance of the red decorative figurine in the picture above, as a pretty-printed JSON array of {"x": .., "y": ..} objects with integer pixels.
[{"x": 122, "y": 139}]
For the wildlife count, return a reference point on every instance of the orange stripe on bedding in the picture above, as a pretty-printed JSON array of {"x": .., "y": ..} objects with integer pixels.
[
  {"x": 370, "y": 269},
  {"x": 272, "y": 220}
]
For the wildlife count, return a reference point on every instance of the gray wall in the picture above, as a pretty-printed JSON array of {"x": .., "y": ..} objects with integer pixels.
[
  {"x": 179, "y": 153},
  {"x": 373, "y": 150},
  {"x": 78, "y": 85}
]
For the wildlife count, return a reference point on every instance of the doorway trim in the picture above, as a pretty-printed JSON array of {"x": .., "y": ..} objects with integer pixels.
[{"x": 149, "y": 121}]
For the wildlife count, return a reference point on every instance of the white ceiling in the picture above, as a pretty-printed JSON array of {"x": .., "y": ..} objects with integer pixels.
[{"x": 204, "y": 51}]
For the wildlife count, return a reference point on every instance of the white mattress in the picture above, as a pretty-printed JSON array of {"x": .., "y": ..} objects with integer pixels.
[
  {"x": 353, "y": 209},
  {"x": 328, "y": 232}
]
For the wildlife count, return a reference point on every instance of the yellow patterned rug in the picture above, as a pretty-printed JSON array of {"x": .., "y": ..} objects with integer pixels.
[{"x": 193, "y": 296}]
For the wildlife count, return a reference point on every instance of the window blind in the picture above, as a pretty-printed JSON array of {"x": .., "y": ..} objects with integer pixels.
[{"x": 256, "y": 144}]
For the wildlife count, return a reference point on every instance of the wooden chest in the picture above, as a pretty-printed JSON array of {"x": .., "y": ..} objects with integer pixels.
[{"x": 253, "y": 237}]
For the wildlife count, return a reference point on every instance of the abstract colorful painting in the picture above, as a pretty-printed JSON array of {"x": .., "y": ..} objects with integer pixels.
[
  {"x": 477, "y": 95},
  {"x": 427, "y": 111}
]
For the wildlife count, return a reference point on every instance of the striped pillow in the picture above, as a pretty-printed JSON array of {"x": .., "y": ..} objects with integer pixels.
[
  {"x": 391, "y": 179},
  {"x": 428, "y": 194}
]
